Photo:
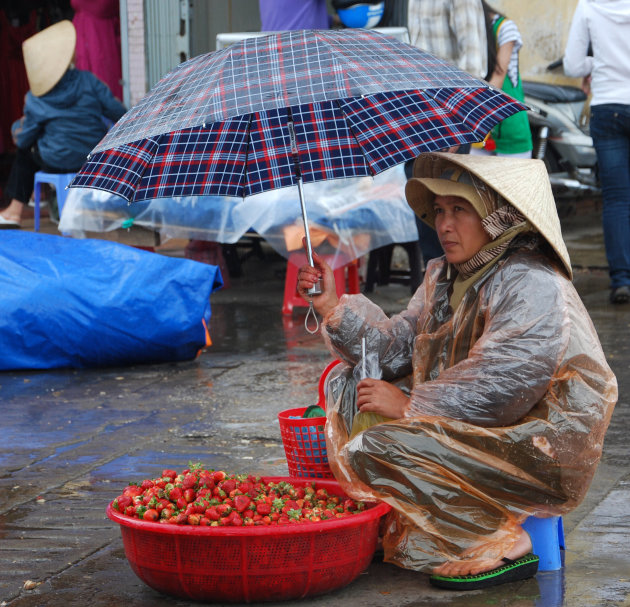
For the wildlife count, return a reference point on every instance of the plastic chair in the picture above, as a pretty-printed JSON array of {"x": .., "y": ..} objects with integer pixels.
[
  {"x": 346, "y": 280},
  {"x": 380, "y": 272},
  {"x": 60, "y": 181},
  {"x": 547, "y": 536}
]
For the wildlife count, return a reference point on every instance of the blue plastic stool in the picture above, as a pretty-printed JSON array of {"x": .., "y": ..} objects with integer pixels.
[
  {"x": 60, "y": 181},
  {"x": 547, "y": 536}
]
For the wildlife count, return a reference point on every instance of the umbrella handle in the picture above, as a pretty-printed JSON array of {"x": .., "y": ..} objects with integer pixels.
[{"x": 311, "y": 312}]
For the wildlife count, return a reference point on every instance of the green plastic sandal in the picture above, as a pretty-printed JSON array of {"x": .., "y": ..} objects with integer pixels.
[{"x": 512, "y": 571}]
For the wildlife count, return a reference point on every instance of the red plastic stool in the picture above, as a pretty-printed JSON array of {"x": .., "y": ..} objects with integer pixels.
[{"x": 346, "y": 280}]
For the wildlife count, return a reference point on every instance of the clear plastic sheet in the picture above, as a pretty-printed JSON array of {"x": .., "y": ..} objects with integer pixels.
[
  {"x": 511, "y": 396},
  {"x": 347, "y": 217}
]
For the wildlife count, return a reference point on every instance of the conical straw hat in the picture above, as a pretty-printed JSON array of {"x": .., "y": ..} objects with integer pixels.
[
  {"x": 47, "y": 56},
  {"x": 522, "y": 182}
]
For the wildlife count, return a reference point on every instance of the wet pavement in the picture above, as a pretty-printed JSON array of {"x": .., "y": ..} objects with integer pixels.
[{"x": 72, "y": 439}]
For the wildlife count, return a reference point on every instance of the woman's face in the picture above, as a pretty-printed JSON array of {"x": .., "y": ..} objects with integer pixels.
[{"x": 459, "y": 228}]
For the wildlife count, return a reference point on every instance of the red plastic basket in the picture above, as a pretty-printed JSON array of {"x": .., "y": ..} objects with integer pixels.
[
  {"x": 252, "y": 564},
  {"x": 304, "y": 440},
  {"x": 304, "y": 444}
]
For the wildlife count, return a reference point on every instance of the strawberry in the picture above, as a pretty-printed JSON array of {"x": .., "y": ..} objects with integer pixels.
[
  {"x": 212, "y": 513},
  {"x": 189, "y": 481},
  {"x": 246, "y": 487},
  {"x": 294, "y": 515},
  {"x": 132, "y": 491},
  {"x": 218, "y": 476},
  {"x": 321, "y": 494},
  {"x": 163, "y": 503},
  {"x": 174, "y": 493},
  {"x": 228, "y": 485},
  {"x": 199, "y": 506},
  {"x": 235, "y": 518},
  {"x": 166, "y": 513},
  {"x": 242, "y": 502},
  {"x": 263, "y": 508},
  {"x": 349, "y": 505},
  {"x": 121, "y": 502},
  {"x": 150, "y": 515}
]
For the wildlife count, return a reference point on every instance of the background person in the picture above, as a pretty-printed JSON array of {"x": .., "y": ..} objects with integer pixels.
[
  {"x": 63, "y": 116},
  {"x": 452, "y": 30},
  {"x": 605, "y": 25},
  {"x": 494, "y": 389},
  {"x": 455, "y": 31},
  {"x": 97, "y": 23},
  {"x": 281, "y": 15},
  {"x": 512, "y": 136}
]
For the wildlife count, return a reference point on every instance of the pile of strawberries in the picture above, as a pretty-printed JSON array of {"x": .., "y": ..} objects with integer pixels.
[{"x": 213, "y": 498}]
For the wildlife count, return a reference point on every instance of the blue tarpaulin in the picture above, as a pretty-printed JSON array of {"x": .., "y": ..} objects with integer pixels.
[{"x": 89, "y": 303}]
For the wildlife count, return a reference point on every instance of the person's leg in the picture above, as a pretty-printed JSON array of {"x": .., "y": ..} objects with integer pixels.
[
  {"x": 20, "y": 185},
  {"x": 610, "y": 129},
  {"x": 12, "y": 214},
  {"x": 457, "y": 496}
]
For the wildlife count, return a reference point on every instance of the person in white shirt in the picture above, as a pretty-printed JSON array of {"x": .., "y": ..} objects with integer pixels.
[{"x": 604, "y": 27}]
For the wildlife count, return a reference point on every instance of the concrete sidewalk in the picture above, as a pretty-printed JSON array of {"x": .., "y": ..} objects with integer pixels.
[{"x": 72, "y": 439}]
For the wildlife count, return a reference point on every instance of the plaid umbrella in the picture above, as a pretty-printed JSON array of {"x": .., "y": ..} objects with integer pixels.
[{"x": 290, "y": 108}]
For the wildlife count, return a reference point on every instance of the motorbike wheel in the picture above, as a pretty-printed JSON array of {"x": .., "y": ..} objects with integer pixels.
[{"x": 552, "y": 160}]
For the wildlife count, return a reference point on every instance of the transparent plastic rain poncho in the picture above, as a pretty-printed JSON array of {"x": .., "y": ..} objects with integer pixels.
[{"x": 511, "y": 396}]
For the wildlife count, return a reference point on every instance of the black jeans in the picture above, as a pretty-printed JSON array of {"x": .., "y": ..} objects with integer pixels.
[{"x": 22, "y": 175}]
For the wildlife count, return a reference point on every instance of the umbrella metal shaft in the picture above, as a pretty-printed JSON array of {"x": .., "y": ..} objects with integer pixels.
[{"x": 316, "y": 289}]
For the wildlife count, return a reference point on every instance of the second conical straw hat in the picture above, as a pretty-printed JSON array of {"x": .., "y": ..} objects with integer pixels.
[{"x": 47, "y": 56}]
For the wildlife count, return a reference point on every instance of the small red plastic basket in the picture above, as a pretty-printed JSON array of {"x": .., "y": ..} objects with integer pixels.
[
  {"x": 304, "y": 440},
  {"x": 304, "y": 444},
  {"x": 252, "y": 564}
]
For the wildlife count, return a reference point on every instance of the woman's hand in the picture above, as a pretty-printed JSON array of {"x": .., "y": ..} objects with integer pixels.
[
  {"x": 381, "y": 397},
  {"x": 308, "y": 277}
]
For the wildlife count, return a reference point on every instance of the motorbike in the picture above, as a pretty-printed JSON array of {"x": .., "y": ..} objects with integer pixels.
[{"x": 558, "y": 117}]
